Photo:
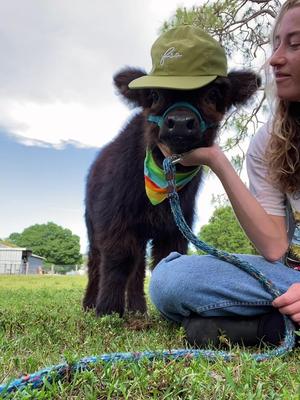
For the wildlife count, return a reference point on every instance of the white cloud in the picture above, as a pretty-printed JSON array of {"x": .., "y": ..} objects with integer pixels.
[
  {"x": 60, "y": 122},
  {"x": 58, "y": 59}
]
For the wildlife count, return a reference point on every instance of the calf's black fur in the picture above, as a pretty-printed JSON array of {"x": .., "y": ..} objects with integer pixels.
[{"x": 120, "y": 219}]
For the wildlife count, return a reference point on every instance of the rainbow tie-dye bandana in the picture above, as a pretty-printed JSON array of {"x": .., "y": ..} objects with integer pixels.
[{"x": 156, "y": 183}]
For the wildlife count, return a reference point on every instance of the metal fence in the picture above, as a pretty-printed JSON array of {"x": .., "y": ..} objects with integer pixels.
[
  {"x": 11, "y": 268},
  {"x": 8, "y": 267}
]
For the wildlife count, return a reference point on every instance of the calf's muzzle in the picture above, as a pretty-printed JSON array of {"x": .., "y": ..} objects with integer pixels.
[{"x": 181, "y": 127}]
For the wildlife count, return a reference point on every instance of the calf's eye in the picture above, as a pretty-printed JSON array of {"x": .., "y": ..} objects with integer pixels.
[
  {"x": 213, "y": 96},
  {"x": 155, "y": 96}
]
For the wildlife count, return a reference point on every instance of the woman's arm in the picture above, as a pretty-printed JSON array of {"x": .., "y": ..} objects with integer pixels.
[{"x": 266, "y": 232}]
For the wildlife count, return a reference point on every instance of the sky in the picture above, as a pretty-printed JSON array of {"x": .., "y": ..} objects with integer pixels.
[{"x": 58, "y": 105}]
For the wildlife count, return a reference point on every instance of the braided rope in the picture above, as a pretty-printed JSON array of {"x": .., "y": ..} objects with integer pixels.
[
  {"x": 289, "y": 341},
  {"x": 58, "y": 372}
]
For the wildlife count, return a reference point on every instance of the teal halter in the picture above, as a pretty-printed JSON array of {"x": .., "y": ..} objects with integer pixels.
[{"x": 159, "y": 120}]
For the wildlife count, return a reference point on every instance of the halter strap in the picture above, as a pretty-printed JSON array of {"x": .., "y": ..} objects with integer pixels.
[{"x": 159, "y": 120}]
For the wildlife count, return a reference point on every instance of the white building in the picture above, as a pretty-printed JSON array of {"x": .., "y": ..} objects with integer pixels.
[{"x": 19, "y": 260}]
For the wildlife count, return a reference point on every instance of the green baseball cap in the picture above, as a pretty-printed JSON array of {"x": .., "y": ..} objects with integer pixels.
[{"x": 184, "y": 57}]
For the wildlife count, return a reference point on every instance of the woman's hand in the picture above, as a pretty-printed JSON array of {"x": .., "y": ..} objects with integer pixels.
[
  {"x": 289, "y": 302},
  {"x": 201, "y": 156}
]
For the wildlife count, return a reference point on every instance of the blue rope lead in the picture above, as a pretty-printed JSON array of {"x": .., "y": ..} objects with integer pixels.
[
  {"x": 58, "y": 372},
  {"x": 289, "y": 341}
]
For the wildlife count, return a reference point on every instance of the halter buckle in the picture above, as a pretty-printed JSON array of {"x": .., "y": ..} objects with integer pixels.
[{"x": 176, "y": 158}]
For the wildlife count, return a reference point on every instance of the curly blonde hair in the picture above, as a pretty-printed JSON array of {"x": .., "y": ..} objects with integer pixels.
[{"x": 282, "y": 155}]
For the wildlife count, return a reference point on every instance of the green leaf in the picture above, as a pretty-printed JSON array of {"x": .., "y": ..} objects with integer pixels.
[{"x": 57, "y": 244}]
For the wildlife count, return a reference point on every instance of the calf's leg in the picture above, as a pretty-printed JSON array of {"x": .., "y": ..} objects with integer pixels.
[
  {"x": 115, "y": 270},
  {"x": 163, "y": 246},
  {"x": 135, "y": 296},
  {"x": 91, "y": 293}
]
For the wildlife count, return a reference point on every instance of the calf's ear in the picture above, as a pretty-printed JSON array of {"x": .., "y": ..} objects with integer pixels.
[
  {"x": 133, "y": 97},
  {"x": 243, "y": 84}
]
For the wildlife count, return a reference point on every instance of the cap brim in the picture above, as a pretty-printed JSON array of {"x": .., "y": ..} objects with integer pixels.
[{"x": 171, "y": 82}]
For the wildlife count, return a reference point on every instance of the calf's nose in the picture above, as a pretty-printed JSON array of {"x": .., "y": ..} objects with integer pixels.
[{"x": 181, "y": 124}]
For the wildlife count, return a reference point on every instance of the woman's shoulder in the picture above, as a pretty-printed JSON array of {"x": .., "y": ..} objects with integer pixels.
[{"x": 260, "y": 141}]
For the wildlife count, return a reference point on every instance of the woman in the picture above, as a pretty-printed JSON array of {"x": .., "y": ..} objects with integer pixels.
[{"x": 209, "y": 296}]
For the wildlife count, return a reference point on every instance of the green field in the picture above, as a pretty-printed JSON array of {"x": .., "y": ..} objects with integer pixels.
[{"x": 42, "y": 323}]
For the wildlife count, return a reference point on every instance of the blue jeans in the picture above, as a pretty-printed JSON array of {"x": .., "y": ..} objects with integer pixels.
[{"x": 181, "y": 285}]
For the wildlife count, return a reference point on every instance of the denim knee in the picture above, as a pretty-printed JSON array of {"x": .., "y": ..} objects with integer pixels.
[
  {"x": 205, "y": 285},
  {"x": 164, "y": 288}
]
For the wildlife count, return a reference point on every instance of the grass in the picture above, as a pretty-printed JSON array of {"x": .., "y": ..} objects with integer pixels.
[{"x": 42, "y": 323}]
